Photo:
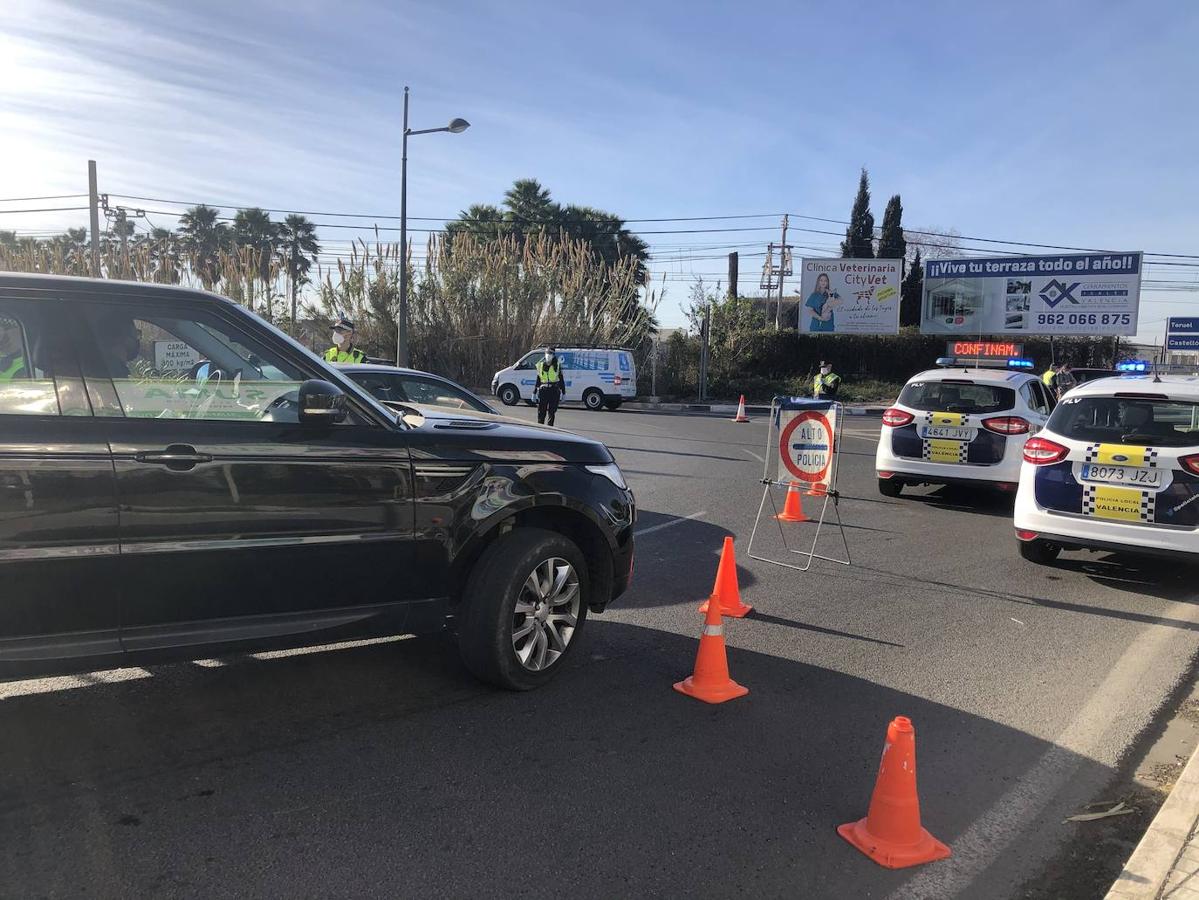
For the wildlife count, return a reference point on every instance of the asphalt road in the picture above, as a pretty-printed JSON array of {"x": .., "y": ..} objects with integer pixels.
[{"x": 383, "y": 769}]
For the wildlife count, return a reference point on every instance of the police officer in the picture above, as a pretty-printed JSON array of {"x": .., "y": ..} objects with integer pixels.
[
  {"x": 827, "y": 382},
  {"x": 551, "y": 385},
  {"x": 343, "y": 349},
  {"x": 1049, "y": 377}
]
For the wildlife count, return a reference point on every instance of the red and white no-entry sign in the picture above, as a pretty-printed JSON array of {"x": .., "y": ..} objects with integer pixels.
[{"x": 806, "y": 447}]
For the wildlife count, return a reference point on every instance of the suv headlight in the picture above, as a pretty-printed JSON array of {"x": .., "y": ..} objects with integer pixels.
[{"x": 612, "y": 472}]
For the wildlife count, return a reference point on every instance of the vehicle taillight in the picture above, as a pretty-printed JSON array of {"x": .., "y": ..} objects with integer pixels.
[
  {"x": 1191, "y": 463},
  {"x": 1006, "y": 425},
  {"x": 1042, "y": 452},
  {"x": 1026, "y": 535},
  {"x": 617, "y": 381},
  {"x": 896, "y": 417}
]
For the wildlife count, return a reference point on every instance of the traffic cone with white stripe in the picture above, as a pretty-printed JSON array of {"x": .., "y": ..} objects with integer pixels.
[
  {"x": 710, "y": 681},
  {"x": 741, "y": 416},
  {"x": 725, "y": 591},
  {"x": 891, "y": 833},
  {"x": 793, "y": 507}
]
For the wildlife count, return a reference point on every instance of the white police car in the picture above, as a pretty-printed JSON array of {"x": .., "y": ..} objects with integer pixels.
[
  {"x": 961, "y": 424},
  {"x": 596, "y": 376},
  {"x": 1116, "y": 468}
]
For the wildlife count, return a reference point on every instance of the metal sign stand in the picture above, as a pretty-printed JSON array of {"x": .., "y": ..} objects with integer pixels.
[{"x": 773, "y": 437}]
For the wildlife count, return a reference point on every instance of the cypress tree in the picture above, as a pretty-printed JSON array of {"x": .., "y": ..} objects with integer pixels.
[
  {"x": 891, "y": 242},
  {"x": 911, "y": 293},
  {"x": 859, "y": 236}
]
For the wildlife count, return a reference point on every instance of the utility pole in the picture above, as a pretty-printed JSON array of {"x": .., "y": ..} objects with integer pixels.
[
  {"x": 402, "y": 323},
  {"x": 93, "y": 199},
  {"x": 784, "y": 270},
  {"x": 733, "y": 264}
]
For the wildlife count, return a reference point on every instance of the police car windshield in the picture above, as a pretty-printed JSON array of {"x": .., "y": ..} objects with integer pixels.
[
  {"x": 957, "y": 395},
  {"x": 1164, "y": 423}
]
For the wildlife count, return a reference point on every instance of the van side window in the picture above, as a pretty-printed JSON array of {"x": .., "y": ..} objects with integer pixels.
[{"x": 529, "y": 361}]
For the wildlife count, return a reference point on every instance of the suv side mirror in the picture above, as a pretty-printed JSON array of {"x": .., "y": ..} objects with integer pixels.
[{"x": 321, "y": 403}]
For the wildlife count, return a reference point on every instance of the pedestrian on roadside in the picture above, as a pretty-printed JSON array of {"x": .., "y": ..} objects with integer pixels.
[
  {"x": 551, "y": 385},
  {"x": 827, "y": 382},
  {"x": 343, "y": 349}
]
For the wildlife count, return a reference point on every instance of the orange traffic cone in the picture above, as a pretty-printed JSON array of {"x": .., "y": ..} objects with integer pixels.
[
  {"x": 711, "y": 682},
  {"x": 891, "y": 833},
  {"x": 725, "y": 591},
  {"x": 793, "y": 508},
  {"x": 741, "y": 416}
]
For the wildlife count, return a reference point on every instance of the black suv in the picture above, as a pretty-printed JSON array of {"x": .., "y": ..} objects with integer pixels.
[{"x": 180, "y": 479}]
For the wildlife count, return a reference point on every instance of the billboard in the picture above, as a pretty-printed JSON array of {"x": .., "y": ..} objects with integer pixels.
[
  {"x": 850, "y": 296},
  {"x": 1088, "y": 293}
]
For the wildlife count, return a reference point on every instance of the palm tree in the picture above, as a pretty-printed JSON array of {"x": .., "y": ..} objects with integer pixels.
[
  {"x": 529, "y": 208},
  {"x": 8, "y": 240},
  {"x": 203, "y": 236},
  {"x": 297, "y": 248},
  {"x": 254, "y": 229},
  {"x": 162, "y": 245},
  {"x": 482, "y": 219}
]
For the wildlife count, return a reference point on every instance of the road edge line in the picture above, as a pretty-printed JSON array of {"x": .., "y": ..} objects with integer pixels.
[{"x": 1145, "y": 874}]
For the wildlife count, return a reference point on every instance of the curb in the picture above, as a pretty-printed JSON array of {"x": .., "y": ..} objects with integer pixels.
[{"x": 1166, "y": 848}]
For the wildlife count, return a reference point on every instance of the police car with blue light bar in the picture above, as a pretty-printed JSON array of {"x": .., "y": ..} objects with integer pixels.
[
  {"x": 963, "y": 423},
  {"x": 1116, "y": 468}
]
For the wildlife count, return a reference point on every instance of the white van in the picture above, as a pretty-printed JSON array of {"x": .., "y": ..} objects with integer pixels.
[{"x": 595, "y": 377}]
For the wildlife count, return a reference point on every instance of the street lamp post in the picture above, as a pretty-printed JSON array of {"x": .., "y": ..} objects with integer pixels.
[{"x": 456, "y": 126}]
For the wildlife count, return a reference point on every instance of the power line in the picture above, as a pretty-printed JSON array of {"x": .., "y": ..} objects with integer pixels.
[
  {"x": 45, "y": 197},
  {"x": 13, "y": 212}
]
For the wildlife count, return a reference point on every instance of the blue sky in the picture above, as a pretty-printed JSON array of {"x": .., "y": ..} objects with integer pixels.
[{"x": 1061, "y": 123}]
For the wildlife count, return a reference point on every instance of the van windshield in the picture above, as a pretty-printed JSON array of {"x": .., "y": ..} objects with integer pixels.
[
  {"x": 957, "y": 395},
  {"x": 1125, "y": 420}
]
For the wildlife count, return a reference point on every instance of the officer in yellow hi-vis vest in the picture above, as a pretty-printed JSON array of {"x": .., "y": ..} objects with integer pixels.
[
  {"x": 1049, "y": 376},
  {"x": 343, "y": 349},
  {"x": 551, "y": 385},
  {"x": 827, "y": 382}
]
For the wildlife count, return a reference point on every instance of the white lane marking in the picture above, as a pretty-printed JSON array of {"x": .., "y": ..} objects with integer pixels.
[
  {"x": 680, "y": 521},
  {"x": 755, "y": 456},
  {"x": 1008, "y": 817}
]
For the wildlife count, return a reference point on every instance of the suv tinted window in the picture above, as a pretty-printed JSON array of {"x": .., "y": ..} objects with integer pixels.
[
  {"x": 957, "y": 396},
  {"x": 438, "y": 393},
  {"x": 178, "y": 362},
  {"x": 1125, "y": 420},
  {"x": 39, "y": 375}
]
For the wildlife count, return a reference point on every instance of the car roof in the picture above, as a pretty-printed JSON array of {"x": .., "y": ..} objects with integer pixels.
[
  {"x": 43, "y": 282},
  {"x": 1181, "y": 387},
  {"x": 979, "y": 375}
]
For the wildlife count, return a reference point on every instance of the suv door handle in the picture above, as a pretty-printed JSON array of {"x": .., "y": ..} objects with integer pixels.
[{"x": 179, "y": 457}]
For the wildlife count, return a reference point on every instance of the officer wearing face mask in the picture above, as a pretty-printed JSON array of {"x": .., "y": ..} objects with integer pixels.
[
  {"x": 827, "y": 382},
  {"x": 343, "y": 349},
  {"x": 551, "y": 385}
]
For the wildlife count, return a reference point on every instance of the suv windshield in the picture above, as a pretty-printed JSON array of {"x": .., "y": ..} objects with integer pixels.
[
  {"x": 957, "y": 395},
  {"x": 1142, "y": 420}
]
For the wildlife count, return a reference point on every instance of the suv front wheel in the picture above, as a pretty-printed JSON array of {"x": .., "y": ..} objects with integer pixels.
[{"x": 523, "y": 606}]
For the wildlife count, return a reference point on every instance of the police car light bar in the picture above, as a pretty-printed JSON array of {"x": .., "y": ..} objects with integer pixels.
[
  {"x": 1133, "y": 365},
  {"x": 954, "y": 362},
  {"x": 1015, "y": 363}
]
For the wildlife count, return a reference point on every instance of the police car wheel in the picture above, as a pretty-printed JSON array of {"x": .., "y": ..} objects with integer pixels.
[
  {"x": 523, "y": 606},
  {"x": 890, "y": 487},
  {"x": 593, "y": 399},
  {"x": 509, "y": 395},
  {"x": 1038, "y": 551}
]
